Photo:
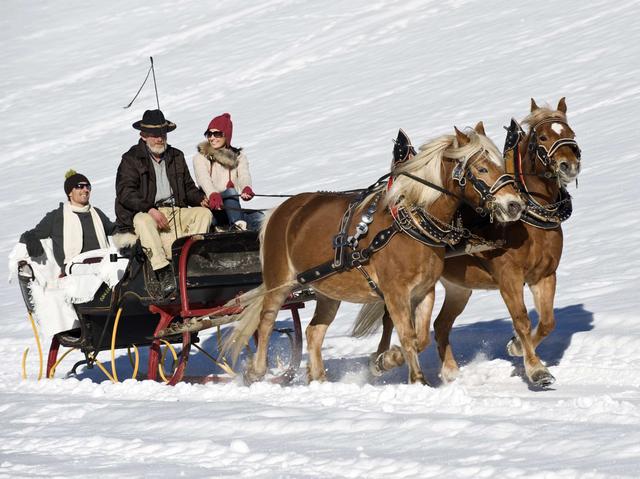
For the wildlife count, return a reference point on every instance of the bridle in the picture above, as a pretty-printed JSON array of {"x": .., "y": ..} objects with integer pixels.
[
  {"x": 547, "y": 157},
  {"x": 462, "y": 172},
  {"x": 545, "y": 216}
]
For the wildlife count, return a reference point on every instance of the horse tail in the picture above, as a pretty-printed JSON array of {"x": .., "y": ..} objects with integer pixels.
[
  {"x": 248, "y": 320},
  {"x": 368, "y": 320}
]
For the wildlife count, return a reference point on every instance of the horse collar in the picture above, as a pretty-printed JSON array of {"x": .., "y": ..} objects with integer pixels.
[{"x": 547, "y": 216}]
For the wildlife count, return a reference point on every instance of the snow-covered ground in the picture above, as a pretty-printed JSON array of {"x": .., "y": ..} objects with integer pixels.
[{"x": 317, "y": 90}]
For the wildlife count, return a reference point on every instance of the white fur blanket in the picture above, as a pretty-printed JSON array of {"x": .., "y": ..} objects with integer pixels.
[{"x": 54, "y": 297}]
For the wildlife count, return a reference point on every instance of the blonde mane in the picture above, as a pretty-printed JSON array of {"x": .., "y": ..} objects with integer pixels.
[
  {"x": 543, "y": 113},
  {"x": 427, "y": 165}
]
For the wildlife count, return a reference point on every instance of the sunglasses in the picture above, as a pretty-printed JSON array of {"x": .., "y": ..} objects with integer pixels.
[
  {"x": 215, "y": 134},
  {"x": 80, "y": 186}
]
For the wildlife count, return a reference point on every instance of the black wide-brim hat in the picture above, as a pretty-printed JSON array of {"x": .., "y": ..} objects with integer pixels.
[{"x": 153, "y": 121}]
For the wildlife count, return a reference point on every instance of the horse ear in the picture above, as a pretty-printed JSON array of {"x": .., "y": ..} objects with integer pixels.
[
  {"x": 479, "y": 128},
  {"x": 562, "y": 105},
  {"x": 534, "y": 107},
  {"x": 462, "y": 138}
]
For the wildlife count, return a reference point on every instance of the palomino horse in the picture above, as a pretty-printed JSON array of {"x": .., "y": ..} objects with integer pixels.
[
  {"x": 531, "y": 254},
  {"x": 299, "y": 235}
]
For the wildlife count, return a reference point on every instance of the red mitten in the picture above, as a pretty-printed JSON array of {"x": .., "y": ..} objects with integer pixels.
[
  {"x": 247, "y": 193},
  {"x": 215, "y": 201},
  {"x": 230, "y": 185}
]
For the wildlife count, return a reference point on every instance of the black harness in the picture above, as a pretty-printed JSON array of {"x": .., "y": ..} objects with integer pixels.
[
  {"x": 412, "y": 221},
  {"x": 347, "y": 255},
  {"x": 549, "y": 216}
]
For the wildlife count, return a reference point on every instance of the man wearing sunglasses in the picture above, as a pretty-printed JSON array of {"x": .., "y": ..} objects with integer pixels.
[
  {"x": 74, "y": 227},
  {"x": 154, "y": 191}
]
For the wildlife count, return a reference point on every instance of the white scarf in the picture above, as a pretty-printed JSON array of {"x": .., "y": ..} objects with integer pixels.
[{"x": 72, "y": 230}]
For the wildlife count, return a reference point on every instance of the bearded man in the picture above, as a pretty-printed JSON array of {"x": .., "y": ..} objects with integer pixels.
[{"x": 154, "y": 190}]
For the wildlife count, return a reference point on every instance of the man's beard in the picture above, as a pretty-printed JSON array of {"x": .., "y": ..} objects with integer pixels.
[{"x": 157, "y": 149}]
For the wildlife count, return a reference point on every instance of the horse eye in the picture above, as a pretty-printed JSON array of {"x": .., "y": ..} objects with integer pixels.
[
  {"x": 482, "y": 169},
  {"x": 543, "y": 138}
]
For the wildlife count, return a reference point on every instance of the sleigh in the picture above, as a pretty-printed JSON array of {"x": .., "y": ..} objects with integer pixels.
[{"x": 210, "y": 271}]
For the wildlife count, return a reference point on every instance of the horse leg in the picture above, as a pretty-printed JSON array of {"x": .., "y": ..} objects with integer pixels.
[
  {"x": 323, "y": 316},
  {"x": 543, "y": 296},
  {"x": 400, "y": 311},
  {"x": 423, "y": 319},
  {"x": 455, "y": 300},
  {"x": 512, "y": 293},
  {"x": 544, "y": 292},
  {"x": 270, "y": 307},
  {"x": 386, "y": 358}
]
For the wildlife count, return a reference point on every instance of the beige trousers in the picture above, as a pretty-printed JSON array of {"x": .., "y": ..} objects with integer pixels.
[{"x": 182, "y": 222}]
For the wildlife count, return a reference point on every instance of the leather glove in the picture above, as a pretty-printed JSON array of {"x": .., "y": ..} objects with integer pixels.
[
  {"x": 215, "y": 201},
  {"x": 34, "y": 247},
  {"x": 247, "y": 193}
]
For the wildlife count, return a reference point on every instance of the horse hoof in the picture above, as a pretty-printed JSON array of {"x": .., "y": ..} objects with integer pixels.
[
  {"x": 249, "y": 377},
  {"x": 542, "y": 379},
  {"x": 319, "y": 377},
  {"x": 449, "y": 375},
  {"x": 514, "y": 348},
  {"x": 375, "y": 364},
  {"x": 419, "y": 379}
]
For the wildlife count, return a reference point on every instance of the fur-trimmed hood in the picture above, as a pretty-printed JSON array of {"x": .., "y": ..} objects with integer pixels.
[
  {"x": 221, "y": 169},
  {"x": 227, "y": 157}
]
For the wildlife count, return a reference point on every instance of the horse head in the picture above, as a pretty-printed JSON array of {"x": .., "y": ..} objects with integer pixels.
[
  {"x": 465, "y": 167},
  {"x": 479, "y": 175},
  {"x": 550, "y": 142}
]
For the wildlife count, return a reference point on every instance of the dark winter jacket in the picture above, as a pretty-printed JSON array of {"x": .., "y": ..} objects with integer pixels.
[
  {"x": 52, "y": 226},
  {"x": 136, "y": 183}
]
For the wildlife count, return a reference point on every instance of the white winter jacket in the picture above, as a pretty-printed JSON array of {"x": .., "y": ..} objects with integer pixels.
[{"x": 215, "y": 168}]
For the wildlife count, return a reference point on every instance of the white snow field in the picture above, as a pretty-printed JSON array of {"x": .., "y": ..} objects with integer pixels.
[{"x": 317, "y": 91}]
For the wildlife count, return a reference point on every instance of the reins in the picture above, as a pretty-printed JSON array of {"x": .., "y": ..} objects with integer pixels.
[{"x": 360, "y": 191}]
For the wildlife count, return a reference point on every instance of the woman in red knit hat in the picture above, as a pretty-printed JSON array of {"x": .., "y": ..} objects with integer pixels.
[{"x": 222, "y": 171}]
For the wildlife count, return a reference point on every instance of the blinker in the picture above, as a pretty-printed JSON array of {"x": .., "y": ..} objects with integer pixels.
[{"x": 458, "y": 174}]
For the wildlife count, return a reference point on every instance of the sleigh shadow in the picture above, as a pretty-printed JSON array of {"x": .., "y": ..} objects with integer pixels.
[{"x": 487, "y": 339}]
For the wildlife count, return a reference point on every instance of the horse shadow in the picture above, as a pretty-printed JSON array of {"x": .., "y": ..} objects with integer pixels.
[
  {"x": 495, "y": 334},
  {"x": 487, "y": 339}
]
